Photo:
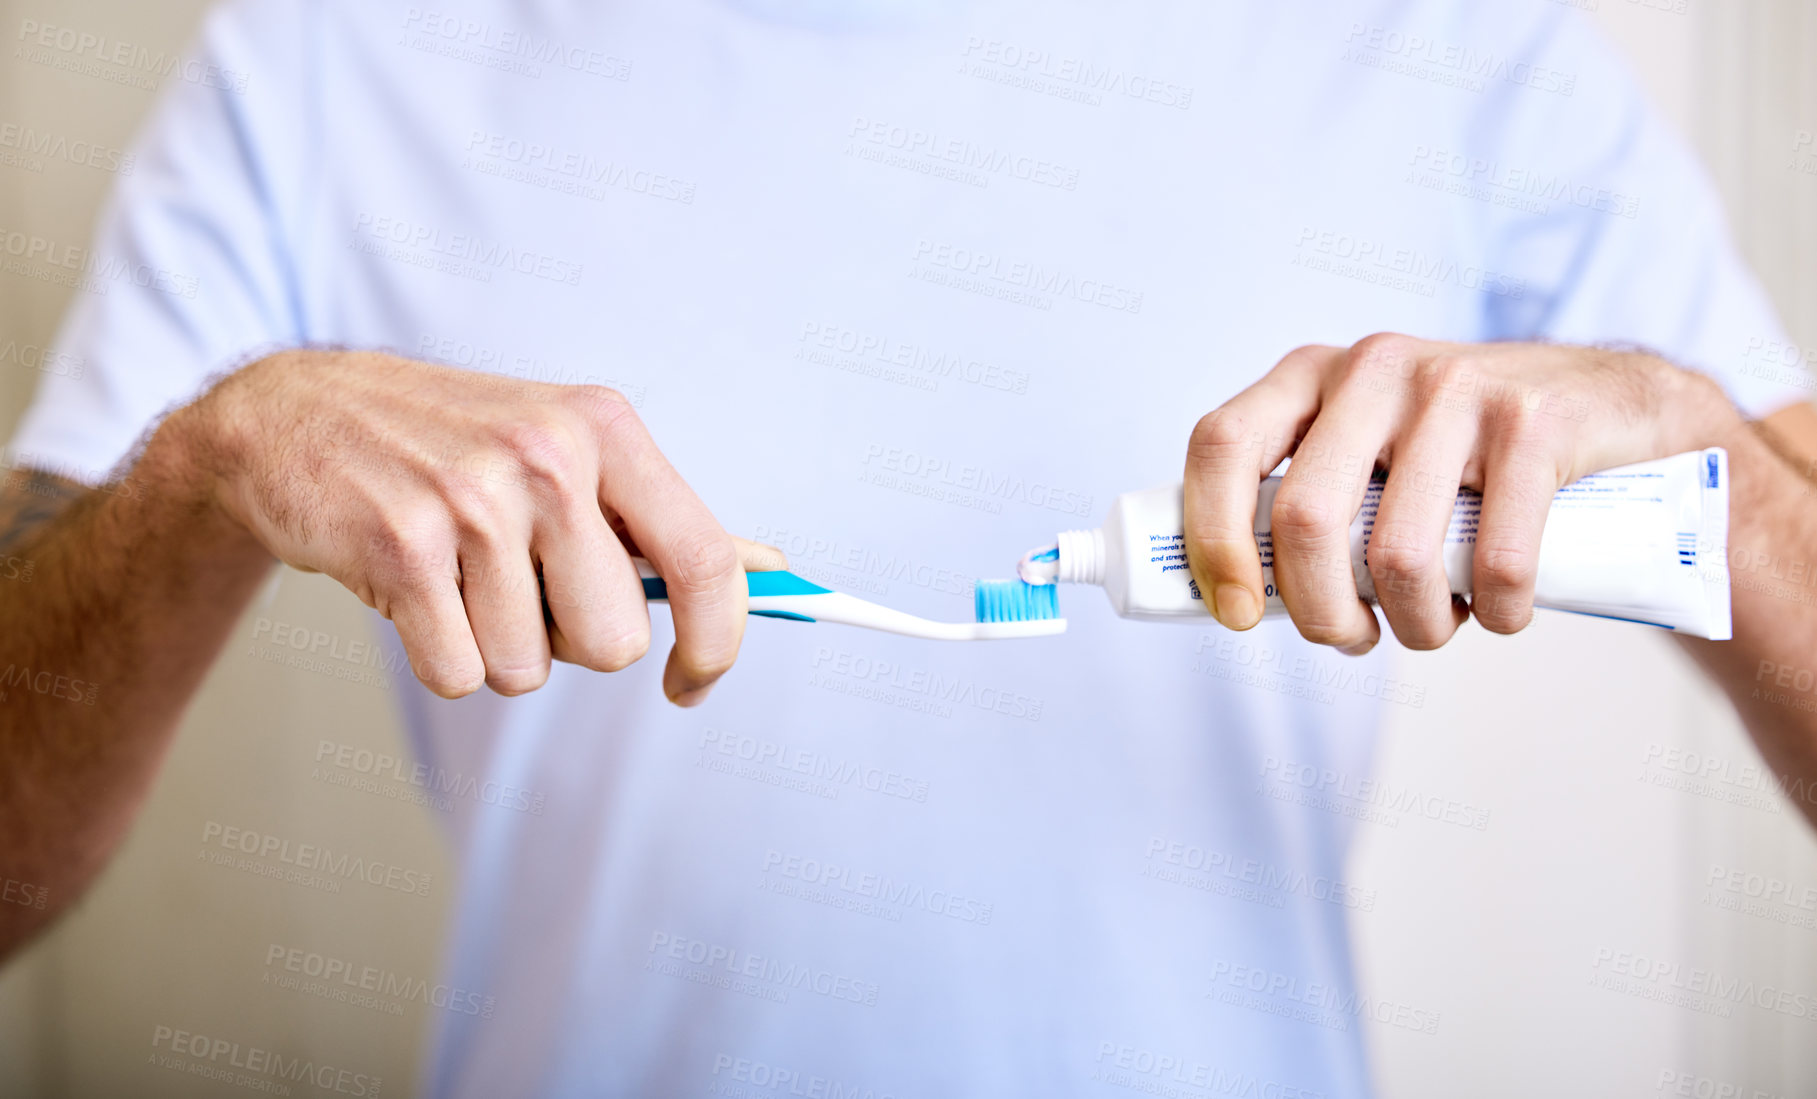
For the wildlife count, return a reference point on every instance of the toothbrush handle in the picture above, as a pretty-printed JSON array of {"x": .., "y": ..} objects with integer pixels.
[
  {"x": 762, "y": 585},
  {"x": 782, "y": 594}
]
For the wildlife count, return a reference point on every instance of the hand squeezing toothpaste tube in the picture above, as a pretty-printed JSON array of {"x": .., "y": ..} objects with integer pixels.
[{"x": 1644, "y": 543}]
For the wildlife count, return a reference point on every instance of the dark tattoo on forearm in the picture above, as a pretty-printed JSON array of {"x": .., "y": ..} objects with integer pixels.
[{"x": 30, "y": 499}]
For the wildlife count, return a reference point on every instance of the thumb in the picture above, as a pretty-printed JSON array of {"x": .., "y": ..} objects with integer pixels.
[{"x": 757, "y": 557}]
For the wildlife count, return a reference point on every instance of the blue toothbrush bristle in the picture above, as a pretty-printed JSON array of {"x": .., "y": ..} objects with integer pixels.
[{"x": 1016, "y": 601}]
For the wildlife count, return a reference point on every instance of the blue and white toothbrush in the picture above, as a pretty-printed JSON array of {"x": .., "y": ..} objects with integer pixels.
[{"x": 1006, "y": 609}]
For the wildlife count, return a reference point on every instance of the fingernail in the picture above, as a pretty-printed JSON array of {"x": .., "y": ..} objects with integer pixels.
[
  {"x": 1234, "y": 606},
  {"x": 1361, "y": 648}
]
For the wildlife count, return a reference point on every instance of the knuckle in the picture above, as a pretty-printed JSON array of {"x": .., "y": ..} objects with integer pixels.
[
  {"x": 406, "y": 556},
  {"x": 1509, "y": 568},
  {"x": 1504, "y": 580},
  {"x": 1401, "y": 564},
  {"x": 1383, "y": 348},
  {"x": 702, "y": 564},
  {"x": 472, "y": 501},
  {"x": 1221, "y": 435},
  {"x": 1310, "y": 357},
  {"x": 599, "y": 398},
  {"x": 605, "y": 408},
  {"x": 554, "y": 473},
  {"x": 1522, "y": 426},
  {"x": 1382, "y": 368},
  {"x": 1452, "y": 373},
  {"x": 543, "y": 451},
  {"x": 1303, "y": 515},
  {"x": 1452, "y": 367}
]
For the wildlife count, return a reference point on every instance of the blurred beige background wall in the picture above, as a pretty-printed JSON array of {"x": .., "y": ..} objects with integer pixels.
[{"x": 1592, "y": 842}]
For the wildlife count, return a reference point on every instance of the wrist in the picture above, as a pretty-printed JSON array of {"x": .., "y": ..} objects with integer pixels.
[
  {"x": 186, "y": 467},
  {"x": 1698, "y": 414}
]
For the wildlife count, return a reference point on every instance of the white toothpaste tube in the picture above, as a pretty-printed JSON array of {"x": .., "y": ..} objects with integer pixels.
[{"x": 1643, "y": 543}]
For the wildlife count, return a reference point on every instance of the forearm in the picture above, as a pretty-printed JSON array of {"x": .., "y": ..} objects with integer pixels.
[
  {"x": 1767, "y": 669},
  {"x": 105, "y": 634}
]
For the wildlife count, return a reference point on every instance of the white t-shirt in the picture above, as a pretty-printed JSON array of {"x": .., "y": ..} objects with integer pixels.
[{"x": 904, "y": 289}]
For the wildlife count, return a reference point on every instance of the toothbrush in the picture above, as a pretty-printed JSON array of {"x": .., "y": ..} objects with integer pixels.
[{"x": 1006, "y": 609}]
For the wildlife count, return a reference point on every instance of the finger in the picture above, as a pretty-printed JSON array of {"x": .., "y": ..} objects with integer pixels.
[
  {"x": 505, "y": 608},
  {"x": 432, "y": 624},
  {"x": 1322, "y": 492},
  {"x": 1519, "y": 480},
  {"x": 691, "y": 552},
  {"x": 1406, "y": 554},
  {"x": 759, "y": 557},
  {"x": 597, "y": 616},
  {"x": 1231, "y": 450}
]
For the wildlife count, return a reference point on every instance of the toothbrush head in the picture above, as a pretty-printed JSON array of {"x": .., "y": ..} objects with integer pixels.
[{"x": 1016, "y": 601}]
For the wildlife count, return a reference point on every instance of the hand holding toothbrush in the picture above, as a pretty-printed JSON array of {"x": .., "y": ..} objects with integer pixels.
[{"x": 494, "y": 520}]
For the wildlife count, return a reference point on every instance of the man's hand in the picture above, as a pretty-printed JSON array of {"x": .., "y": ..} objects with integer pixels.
[
  {"x": 492, "y": 519},
  {"x": 1516, "y": 422}
]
